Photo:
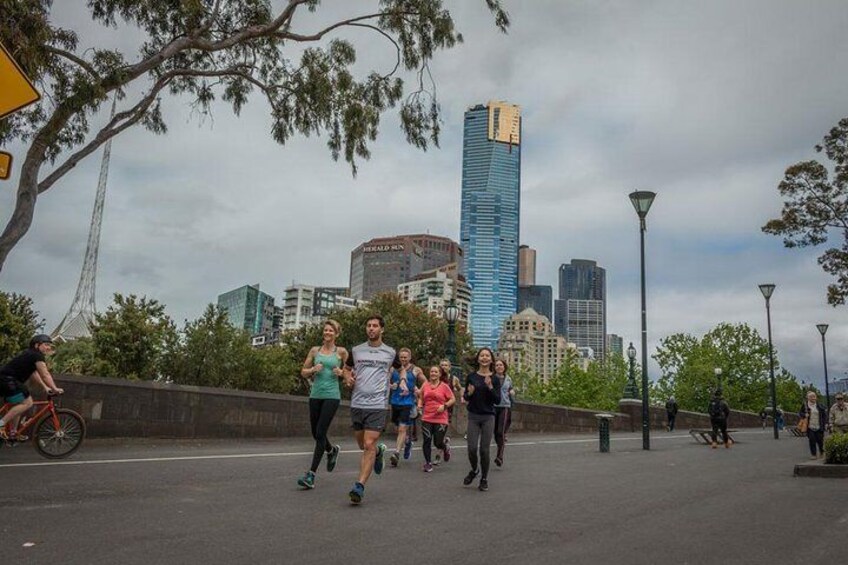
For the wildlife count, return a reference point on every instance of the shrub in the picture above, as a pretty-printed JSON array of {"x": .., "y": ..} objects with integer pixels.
[{"x": 836, "y": 449}]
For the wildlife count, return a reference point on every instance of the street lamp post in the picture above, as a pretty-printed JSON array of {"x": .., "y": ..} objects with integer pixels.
[
  {"x": 451, "y": 316},
  {"x": 767, "y": 290},
  {"x": 717, "y": 372},
  {"x": 642, "y": 200},
  {"x": 631, "y": 390},
  {"x": 822, "y": 330}
]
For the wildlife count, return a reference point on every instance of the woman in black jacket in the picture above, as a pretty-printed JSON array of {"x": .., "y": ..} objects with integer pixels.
[
  {"x": 816, "y": 416},
  {"x": 482, "y": 392}
]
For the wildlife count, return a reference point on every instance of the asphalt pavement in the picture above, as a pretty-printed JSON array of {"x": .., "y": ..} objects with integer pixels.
[{"x": 556, "y": 500}]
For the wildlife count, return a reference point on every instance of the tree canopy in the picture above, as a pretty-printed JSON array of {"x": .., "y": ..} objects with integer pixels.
[
  {"x": 687, "y": 367},
  {"x": 18, "y": 323},
  {"x": 218, "y": 49},
  {"x": 815, "y": 208}
]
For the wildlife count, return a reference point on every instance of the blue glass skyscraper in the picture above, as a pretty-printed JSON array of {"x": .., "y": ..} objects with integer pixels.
[{"x": 491, "y": 181}]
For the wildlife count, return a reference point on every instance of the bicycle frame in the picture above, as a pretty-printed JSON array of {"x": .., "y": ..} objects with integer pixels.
[{"x": 46, "y": 406}]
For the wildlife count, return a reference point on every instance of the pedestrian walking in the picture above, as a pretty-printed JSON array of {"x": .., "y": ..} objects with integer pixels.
[
  {"x": 503, "y": 409},
  {"x": 434, "y": 402},
  {"x": 403, "y": 399},
  {"x": 482, "y": 392},
  {"x": 763, "y": 417},
  {"x": 323, "y": 369},
  {"x": 671, "y": 412},
  {"x": 367, "y": 372},
  {"x": 816, "y": 420},
  {"x": 719, "y": 412},
  {"x": 839, "y": 415}
]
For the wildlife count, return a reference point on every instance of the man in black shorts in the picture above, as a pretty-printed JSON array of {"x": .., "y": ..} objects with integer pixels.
[
  {"x": 28, "y": 364},
  {"x": 368, "y": 371}
]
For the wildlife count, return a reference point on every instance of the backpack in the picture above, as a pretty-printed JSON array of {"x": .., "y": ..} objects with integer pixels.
[{"x": 715, "y": 410}]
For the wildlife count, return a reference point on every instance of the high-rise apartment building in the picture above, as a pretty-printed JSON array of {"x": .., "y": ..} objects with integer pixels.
[
  {"x": 433, "y": 290},
  {"x": 615, "y": 345},
  {"x": 248, "y": 308},
  {"x": 489, "y": 224},
  {"x": 526, "y": 266},
  {"x": 580, "y": 312},
  {"x": 528, "y": 341},
  {"x": 306, "y": 304}
]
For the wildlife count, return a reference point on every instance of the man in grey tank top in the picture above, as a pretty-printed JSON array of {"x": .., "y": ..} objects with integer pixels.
[{"x": 368, "y": 373}]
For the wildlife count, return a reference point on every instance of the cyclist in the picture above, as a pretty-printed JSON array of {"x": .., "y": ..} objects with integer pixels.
[{"x": 29, "y": 363}]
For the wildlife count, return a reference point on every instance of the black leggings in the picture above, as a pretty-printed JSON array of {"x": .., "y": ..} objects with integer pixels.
[
  {"x": 816, "y": 439},
  {"x": 433, "y": 434},
  {"x": 321, "y": 412},
  {"x": 480, "y": 430},
  {"x": 503, "y": 419}
]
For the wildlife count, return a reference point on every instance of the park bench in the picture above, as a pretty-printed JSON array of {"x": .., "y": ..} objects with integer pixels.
[{"x": 704, "y": 435}]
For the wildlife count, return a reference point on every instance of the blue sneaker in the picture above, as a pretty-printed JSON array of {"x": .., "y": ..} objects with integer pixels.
[
  {"x": 356, "y": 493},
  {"x": 307, "y": 481},
  {"x": 378, "y": 461},
  {"x": 407, "y": 448}
]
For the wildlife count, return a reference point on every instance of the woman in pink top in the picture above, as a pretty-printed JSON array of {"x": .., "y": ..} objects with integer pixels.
[{"x": 434, "y": 400}]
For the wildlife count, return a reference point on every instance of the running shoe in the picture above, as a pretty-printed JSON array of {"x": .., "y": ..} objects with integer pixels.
[
  {"x": 484, "y": 485},
  {"x": 356, "y": 493},
  {"x": 427, "y": 468},
  {"x": 394, "y": 459},
  {"x": 498, "y": 461},
  {"x": 437, "y": 458},
  {"x": 407, "y": 448},
  {"x": 447, "y": 449},
  {"x": 307, "y": 481},
  {"x": 333, "y": 458},
  {"x": 469, "y": 478},
  {"x": 20, "y": 438},
  {"x": 378, "y": 461}
]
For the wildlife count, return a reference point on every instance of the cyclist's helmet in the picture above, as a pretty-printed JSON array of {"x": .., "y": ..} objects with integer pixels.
[{"x": 40, "y": 338}]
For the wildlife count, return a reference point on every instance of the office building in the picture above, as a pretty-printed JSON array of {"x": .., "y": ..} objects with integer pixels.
[
  {"x": 615, "y": 345},
  {"x": 526, "y": 267},
  {"x": 304, "y": 305},
  {"x": 580, "y": 311},
  {"x": 248, "y": 308},
  {"x": 438, "y": 251},
  {"x": 489, "y": 223},
  {"x": 528, "y": 342},
  {"x": 537, "y": 297}
]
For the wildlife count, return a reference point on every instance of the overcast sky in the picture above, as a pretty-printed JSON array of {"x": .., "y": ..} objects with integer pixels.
[{"x": 704, "y": 103}]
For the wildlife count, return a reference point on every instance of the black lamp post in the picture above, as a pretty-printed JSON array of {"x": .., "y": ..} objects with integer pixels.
[
  {"x": 451, "y": 316},
  {"x": 642, "y": 200},
  {"x": 717, "y": 372},
  {"x": 767, "y": 290},
  {"x": 822, "y": 330},
  {"x": 631, "y": 390}
]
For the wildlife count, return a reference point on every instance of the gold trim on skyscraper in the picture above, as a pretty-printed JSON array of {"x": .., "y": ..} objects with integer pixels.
[{"x": 504, "y": 122}]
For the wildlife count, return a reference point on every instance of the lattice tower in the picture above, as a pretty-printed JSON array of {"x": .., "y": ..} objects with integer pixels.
[{"x": 79, "y": 319}]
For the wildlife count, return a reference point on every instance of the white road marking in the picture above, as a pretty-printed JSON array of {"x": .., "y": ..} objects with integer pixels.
[{"x": 306, "y": 453}]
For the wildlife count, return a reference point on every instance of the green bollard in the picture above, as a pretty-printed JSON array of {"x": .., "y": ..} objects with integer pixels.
[{"x": 604, "y": 431}]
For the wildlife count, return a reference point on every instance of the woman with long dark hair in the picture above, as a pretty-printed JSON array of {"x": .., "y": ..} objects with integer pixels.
[
  {"x": 503, "y": 409},
  {"x": 482, "y": 392},
  {"x": 323, "y": 366}
]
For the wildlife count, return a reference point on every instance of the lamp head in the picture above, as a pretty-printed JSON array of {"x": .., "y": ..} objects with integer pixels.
[
  {"x": 642, "y": 200},
  {"x": 767, "y": 290},
  {"x": 631, "y": 352}
]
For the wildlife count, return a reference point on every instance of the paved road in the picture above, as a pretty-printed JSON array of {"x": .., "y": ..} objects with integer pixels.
[{"x": 557, "y": 500}]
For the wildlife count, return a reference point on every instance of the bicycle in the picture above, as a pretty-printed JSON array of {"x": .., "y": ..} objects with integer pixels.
[{"x": 56, "y": 432}]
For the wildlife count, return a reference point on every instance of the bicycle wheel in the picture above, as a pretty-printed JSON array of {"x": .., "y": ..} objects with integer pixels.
[{"x": 56, "y": 443}]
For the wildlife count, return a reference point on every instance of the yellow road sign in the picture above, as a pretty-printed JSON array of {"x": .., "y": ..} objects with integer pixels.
[
  {"x": 5, "y": 165},
  {"x": 16, "y": 90}
]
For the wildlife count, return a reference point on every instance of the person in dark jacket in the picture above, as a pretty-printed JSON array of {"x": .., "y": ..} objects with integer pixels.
[
  {"x": 816, "y": 416},
  {"x": 671, "y": 411},
  {"x": 719, "y": 411},
  {"x": 482, "y": 392}
]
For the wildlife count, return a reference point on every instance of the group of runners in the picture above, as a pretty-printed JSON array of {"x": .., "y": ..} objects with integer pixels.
[{"x": 379, "y": 377}]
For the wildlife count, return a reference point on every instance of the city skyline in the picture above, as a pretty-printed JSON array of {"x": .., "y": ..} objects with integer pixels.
[{"x": 706, "y": 105}]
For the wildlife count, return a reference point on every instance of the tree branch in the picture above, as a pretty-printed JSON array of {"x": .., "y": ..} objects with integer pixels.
[{"x": 74, "y": 59}]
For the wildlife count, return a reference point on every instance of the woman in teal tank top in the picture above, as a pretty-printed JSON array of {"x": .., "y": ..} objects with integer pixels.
[{"x": 323, "y": 367}]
